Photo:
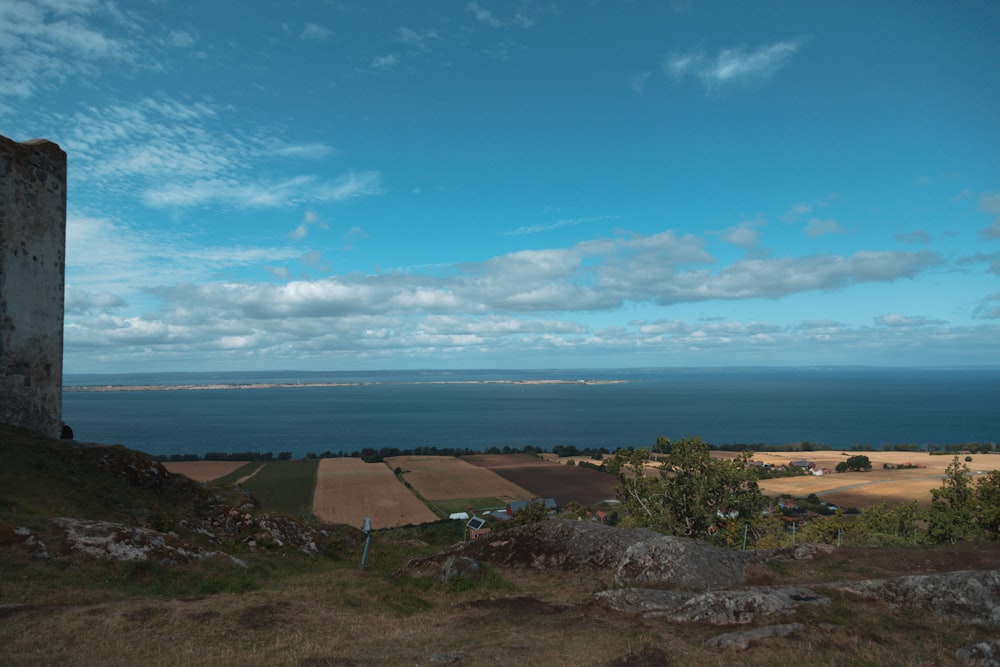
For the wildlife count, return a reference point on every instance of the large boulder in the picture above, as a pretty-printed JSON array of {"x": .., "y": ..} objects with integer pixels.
[
  {"x": 637, "y": 556},
  {"x": 679, "y": 562}
]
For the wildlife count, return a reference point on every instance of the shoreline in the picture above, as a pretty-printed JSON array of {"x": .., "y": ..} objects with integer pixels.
[{"x": 289, "y": 385}]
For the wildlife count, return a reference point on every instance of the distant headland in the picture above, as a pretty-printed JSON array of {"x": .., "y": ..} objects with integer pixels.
[{"x": 283, "y": 385}]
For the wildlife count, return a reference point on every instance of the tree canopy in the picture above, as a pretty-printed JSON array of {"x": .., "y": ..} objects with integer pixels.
[{"x": 690, "y": 493}]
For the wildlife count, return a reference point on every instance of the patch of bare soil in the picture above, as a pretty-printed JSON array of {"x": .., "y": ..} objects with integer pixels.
[
  {"x": 203, "y": 471},
  {"x": 561, "y": 482}
]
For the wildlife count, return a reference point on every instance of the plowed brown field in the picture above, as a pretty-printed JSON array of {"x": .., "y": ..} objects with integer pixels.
[{"x": 545, "y": 479}]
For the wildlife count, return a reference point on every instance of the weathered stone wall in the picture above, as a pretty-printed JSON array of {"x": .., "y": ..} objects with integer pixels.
[{"x": 32, "y": 279}]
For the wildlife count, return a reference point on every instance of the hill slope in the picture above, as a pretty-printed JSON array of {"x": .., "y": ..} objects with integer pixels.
[{"x": 239, "y": 589}]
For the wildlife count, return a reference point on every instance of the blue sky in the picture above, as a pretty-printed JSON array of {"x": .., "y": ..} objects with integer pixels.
[{"x": 388, "y": 185}]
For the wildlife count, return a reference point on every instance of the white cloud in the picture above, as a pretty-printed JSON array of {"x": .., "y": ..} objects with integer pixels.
[
  {"x": 352, "y": 236},
  {"x": 732, "y": 66},
  {"x": 44, "y": 44},
  {"x": 483, "y": 15},
  {"x": 521, "y": 18},
  {"x": 386, "y": 61},
  {"x": 800, "y": 209},
  {"x": 168, "y": 153},
  {"x": 989, "y": 202},
  {"x": 104, "y": 256},
  {"x": 81, "y": 302},
  {"x": 182, "y": 39},
  {"x": 989, "y": 308},
  {"x": 916, "y": 237},
  {"x": 417, "y": 40},
  {"x": 637, "y": 81},
  {"x": 744, "y": 235},
  {"x": 309, "y": 219},
  {"x": 594, "y": 275},
  {"x": 565, "y": 222},
  {"x": 310, "y": 151},
  {"x": 314, "y": 31},
  {"x": 902, "y": 321},
  {"x": 818, "y": 227}
]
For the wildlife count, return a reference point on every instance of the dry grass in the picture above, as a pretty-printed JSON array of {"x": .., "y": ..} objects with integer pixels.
[
  {"x": 346, "y": 618},
  {"x": 348, "y": 490}
]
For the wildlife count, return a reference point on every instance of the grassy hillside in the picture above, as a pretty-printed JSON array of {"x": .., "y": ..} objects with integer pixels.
[
  {"x": 42, "y": 478},
  {"x": 284, "y": 607}
]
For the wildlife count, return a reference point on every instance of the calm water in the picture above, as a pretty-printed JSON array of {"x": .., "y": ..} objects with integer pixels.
[{"x": 837, "y": 407}]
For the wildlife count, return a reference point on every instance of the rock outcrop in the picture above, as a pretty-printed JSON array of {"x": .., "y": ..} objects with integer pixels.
[
  {"x": 724, "y": 607},
  {"x": 677, "y": 562},
  {"x": 980, "y": 654},
  {"x": 638, "y": 557},
  {"x": 741, "y": 641},
  {"x": 106, "y": 540},
  {"x": 967, "y": 596}
]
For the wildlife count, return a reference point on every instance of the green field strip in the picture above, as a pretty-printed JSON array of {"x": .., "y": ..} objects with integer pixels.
[
  {"x": 445, "y": 508},
  {"x": 236, "y": 475},
  {"x": 287, "y": 487}
]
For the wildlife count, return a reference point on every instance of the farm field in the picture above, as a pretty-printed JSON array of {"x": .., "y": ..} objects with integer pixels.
[
  {"x": 347, "y": 490},
  {"x": 448, "y": 484},
  {"x": 284, "y": 486},
  {"x": 450, "y": 478},
  {"x": 547, "y": 479},
  {"x": 863, "y": 489}
]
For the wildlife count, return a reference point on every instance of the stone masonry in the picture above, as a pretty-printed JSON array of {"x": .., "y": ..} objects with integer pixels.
[{"x": 32, "y": 283}]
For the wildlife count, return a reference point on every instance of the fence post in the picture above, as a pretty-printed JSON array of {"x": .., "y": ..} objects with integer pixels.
[{"x": 366, "y": 527}]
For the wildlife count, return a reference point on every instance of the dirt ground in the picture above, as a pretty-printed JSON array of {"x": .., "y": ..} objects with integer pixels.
[
  {"x": 347, "y": 490},
  {"x": 546, "y": 479},
  {"x": 204, "y": 471},
  {"x": 449, "y": 478}
]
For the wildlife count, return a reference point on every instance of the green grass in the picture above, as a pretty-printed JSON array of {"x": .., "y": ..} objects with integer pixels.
[
  {"x": 234, "y": 476},
  {"x": 443, "y": 508},
  {"x": 285, "y": 486},
  {"x": 290, "y": 608}
]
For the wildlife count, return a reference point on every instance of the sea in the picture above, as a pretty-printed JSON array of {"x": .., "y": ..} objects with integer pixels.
[{"x": 343, "y": 412}]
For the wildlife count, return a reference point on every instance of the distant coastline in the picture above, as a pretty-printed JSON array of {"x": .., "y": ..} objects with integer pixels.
[
  {"x": 344, "y": 411},
  {"x": 292, "y": 385}
]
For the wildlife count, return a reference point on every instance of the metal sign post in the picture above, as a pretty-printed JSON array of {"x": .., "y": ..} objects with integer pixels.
[{"x": 366, "y": 528}]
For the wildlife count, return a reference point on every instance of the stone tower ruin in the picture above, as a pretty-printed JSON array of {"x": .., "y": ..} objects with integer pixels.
[{"x": 32, "y": 283}]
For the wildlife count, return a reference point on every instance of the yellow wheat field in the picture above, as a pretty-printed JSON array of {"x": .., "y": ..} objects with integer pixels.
[
  {"x": 450, "y": 478},
  {"x": 348, "y": 489}
]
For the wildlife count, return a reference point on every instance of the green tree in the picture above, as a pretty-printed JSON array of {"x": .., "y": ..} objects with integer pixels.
[
  {"x": 951, "y": 516},
  {"x": 859, "y": 463},
  {"x": 826, "y": 529},
  {"x": 690, "y": 494},
  {"x": 987, "y": 500},
  {"x": 662, "y": 445},
  {"x": 883, "y": 526},
  {"x": 574, "y": 510},
  {"x": 533, "y": 512}
]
